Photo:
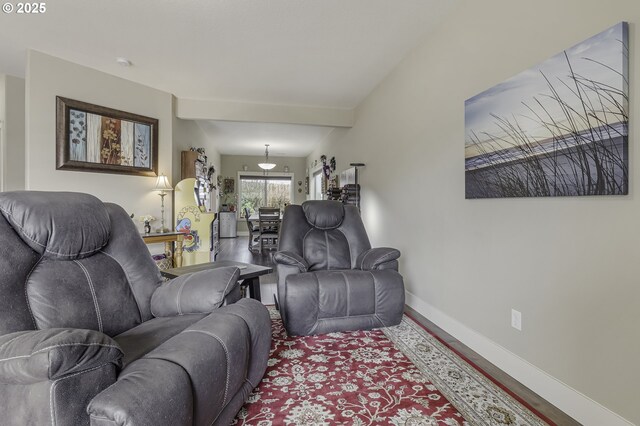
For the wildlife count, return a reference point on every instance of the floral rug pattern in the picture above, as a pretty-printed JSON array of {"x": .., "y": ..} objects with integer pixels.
[
  {"x": 396, "y": 376},
  {"x": 480, "y": 400}
]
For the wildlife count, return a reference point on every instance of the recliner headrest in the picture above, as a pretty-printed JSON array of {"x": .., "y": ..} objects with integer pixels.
[
  {"x": 323, "y": 214},
  {"x": 58, "y": 225}
]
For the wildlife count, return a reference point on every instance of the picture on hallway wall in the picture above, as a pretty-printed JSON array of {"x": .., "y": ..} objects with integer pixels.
[
  {"x": 92, "y": 138},
  {"x": 559, "y": 128}
]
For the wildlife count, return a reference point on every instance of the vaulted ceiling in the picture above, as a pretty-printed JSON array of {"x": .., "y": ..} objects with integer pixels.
[{"x": 326, "y": 53}]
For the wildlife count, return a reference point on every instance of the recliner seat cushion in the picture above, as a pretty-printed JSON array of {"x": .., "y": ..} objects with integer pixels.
[
  {"x": 141, "y": 340},
  {"x": 218, "y": 358}
]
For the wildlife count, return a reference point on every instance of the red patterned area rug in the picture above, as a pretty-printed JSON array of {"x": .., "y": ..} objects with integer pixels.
[{"x": 400, "y": 375}]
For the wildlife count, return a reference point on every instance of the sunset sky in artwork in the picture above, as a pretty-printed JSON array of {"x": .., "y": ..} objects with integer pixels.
[{"x": 510, "y": 98}]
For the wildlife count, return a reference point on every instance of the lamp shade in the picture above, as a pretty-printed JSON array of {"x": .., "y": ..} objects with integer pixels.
[
  {"x": 266, "y": 166},
  {"x": 162, "y": 184}
]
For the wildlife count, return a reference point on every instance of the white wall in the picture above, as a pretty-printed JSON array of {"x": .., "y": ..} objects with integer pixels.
[
  {"x": 207, "y": 109},
  {"x": 187, "y": 134},
  {"x": 12, "y": 112},
  {"x": 570, "y": 265},
  {"x": 3, "y": 131},
  {"x": 48, "y": 77},
  {"x": 15, "y": 122},
  {"x": 337, "y": 145}
]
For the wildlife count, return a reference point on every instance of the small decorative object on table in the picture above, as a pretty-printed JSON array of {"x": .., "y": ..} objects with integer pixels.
[{"x": 147, "y": 219}]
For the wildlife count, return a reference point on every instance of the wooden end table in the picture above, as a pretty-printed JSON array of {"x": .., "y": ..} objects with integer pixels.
[
  {"x": 249, "y": 273},
  {"x": 167, "y": 238}
]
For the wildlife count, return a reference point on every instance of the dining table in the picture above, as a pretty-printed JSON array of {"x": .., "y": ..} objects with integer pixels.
[{"x": 254, "y": 218}]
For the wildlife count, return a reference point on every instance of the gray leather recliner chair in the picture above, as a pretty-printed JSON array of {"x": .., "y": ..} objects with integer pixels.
[
  {"x": 329, "y": 277},
  {"x": 90, "y": 335}
]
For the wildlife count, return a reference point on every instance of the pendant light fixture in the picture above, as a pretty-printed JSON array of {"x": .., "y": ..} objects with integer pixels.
[{"x": 266, "y": 165}]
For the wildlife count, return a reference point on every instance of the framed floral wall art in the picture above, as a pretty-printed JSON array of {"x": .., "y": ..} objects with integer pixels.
[{"x": 93, "y": 138}]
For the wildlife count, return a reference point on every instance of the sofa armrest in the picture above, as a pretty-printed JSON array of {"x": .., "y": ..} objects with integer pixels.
[
  {"x": 375, "y": 258},
  {"x": 197, "y": 293},
  {"x": 291, "y": 259},
  {"x": 207, "y": 370},
  {"x": 28, "y": 357},
  {"x": 149, "y": 391}
]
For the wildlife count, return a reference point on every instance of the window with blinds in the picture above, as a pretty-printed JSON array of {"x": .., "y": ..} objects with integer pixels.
[{"x": 264, "y": 191}]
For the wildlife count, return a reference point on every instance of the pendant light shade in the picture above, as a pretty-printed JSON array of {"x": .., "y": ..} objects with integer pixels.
[{"x": 266, "y": 165}]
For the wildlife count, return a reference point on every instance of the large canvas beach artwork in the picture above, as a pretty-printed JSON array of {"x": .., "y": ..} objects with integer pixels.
[
  {"x": 93, "y": 138},
  {"x": 559, "y": 128}
]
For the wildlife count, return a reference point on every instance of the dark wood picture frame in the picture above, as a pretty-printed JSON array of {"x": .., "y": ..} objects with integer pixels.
[{"x": 65, "y": 159}]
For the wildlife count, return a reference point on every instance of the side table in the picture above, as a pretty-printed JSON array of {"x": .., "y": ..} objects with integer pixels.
[
  {"x": 249, "y": 274},
  {"x": 168, "y": 238}
]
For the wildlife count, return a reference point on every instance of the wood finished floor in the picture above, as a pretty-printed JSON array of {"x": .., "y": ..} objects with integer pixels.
[{"x": 237, "y": 249}]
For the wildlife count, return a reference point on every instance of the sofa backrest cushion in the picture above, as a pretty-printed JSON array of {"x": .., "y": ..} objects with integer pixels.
[
  {"x": 327, "y": 234},
  {"x": 90, "y": 293},
  {"x": 97, "y": 275},
  {"x": 16, "y": 262},
  {"x": 57, "y": 225},
  {"x": 129, "y": 251},
  {"x": 323, "y": 215},
  {"x": 326, "y": 250}
]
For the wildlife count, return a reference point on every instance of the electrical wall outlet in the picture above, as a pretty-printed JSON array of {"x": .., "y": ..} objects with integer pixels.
[{"x": 516, "y": 319}]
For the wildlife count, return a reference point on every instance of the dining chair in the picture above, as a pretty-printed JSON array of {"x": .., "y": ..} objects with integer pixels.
[
  {"x": 269, "y": 225},
  {"x": 247, "y": 216},
  {"x": 254, "y": 230}
]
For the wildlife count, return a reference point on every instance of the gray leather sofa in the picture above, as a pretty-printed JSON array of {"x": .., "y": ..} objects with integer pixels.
[
  {"x": 329, "y": 277},
  {"x": 90, "y": 335}
]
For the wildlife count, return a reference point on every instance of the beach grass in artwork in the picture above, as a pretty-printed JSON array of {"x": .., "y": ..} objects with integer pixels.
[
  {"x": 559, "y": 128},
  {"x": 142, "y": 135}
]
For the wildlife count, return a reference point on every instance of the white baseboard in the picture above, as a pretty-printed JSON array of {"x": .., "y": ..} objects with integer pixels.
[{"x": 575, "y": 404}]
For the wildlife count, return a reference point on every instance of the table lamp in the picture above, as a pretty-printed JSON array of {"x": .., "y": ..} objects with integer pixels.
[{"x": 162, "y": 185}]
